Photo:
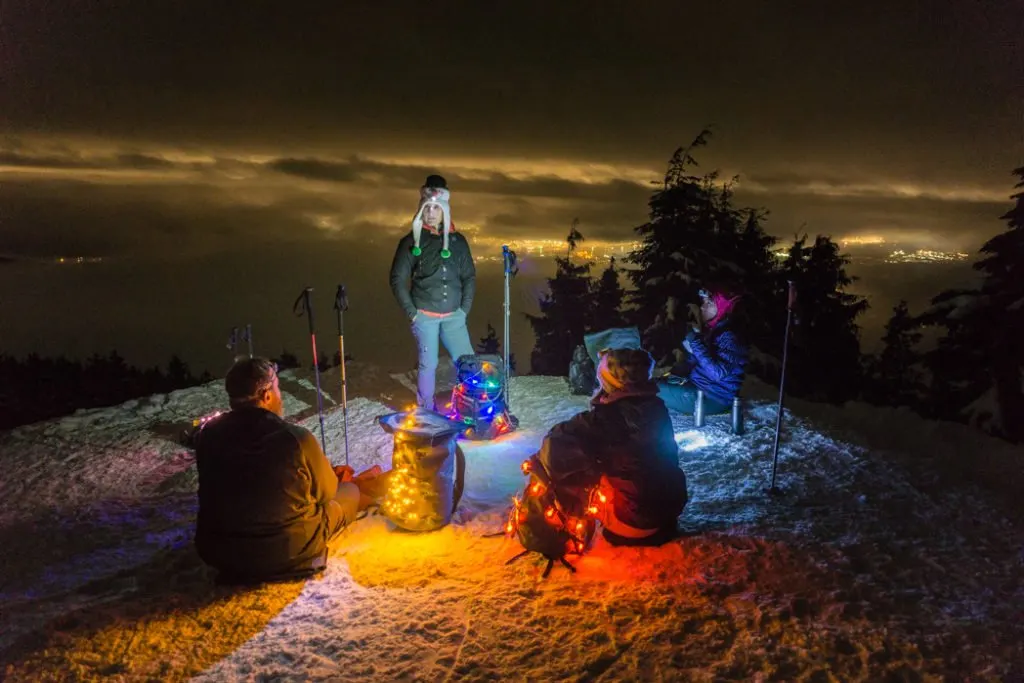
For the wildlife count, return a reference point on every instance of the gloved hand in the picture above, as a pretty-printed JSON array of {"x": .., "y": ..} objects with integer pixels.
[
  {"x": 661, "y": 371},
  {"x": 690, "y": 336},
  {"x": 344, "y": 472}
]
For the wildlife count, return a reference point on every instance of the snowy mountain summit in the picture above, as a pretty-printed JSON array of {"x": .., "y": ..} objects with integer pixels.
[{"x": 895, "y": 553}]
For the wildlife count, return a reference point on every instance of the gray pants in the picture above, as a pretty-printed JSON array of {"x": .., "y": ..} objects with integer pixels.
[
  {"x": 682, "y": 398},
  {"x": 428, "y": 330}
]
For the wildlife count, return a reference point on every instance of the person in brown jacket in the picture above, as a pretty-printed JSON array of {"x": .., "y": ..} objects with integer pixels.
[{"x": 269, "y": 499}]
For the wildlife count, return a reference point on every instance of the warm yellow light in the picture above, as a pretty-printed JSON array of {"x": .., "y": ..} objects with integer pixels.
[{"x": 862, "y": 239}]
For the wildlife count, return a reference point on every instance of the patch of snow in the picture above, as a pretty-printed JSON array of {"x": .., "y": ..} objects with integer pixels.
[
  {"x": 984, "y": 412},
  {"x": 879, "y": 559}
]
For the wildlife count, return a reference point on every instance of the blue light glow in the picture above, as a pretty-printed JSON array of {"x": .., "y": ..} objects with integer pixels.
[{"x": 691, "y": 440}]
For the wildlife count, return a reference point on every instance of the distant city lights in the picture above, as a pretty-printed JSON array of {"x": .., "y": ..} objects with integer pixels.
[
  {"x": 926, "y": 256},
  {"x": 866, "y": 248},
  {"x": 862, "y": 240},
  {"x": 74, "y": 260},
  {"x": 588, "y": 250}
]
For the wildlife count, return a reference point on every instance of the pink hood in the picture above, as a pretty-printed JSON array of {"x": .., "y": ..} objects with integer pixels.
[{"x": 724, "y": 304}]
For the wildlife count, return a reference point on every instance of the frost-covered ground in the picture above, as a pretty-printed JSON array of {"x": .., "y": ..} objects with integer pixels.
[{"x": 882, "y": 561}]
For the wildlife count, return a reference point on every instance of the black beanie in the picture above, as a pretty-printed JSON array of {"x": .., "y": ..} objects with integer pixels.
[{"x": 436, "y": 181}]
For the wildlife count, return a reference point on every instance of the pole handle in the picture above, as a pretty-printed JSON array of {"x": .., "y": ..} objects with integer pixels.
[
  {"x": 510, "y": 261},
  {"x": 303, "y": 306},
  {"x": 341, "y": 299},
  {"x": 341, "y": 305}
]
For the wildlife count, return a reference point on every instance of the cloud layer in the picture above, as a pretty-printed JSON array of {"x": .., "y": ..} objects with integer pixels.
[{"x": 80, "y": 197}]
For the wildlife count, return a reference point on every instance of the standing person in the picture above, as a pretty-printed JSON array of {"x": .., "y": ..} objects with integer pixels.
[
  {"x": 716, "y": 360},
  {"x": 433, "y": 279}
]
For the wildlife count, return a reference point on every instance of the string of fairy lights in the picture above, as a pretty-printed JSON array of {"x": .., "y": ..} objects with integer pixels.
[
  {"x": 574, "y": 527},
  {"x": 478, "y": 399},
  {"x": 402, "y": 493},
  {"x": 405, "y": 490}
]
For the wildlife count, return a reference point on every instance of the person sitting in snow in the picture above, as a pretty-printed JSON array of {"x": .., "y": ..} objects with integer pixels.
[
  {"x": 715, "y": 360},
  {"x": 433, "y": 278},
  {"x": 269, "y": 499},
  {"x": 626, "y": 444}
]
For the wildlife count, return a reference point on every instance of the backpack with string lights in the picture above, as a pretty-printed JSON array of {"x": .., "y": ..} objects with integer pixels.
[
  {"x": 555, "y": 519},
  {"x": 479, "y": 398}
]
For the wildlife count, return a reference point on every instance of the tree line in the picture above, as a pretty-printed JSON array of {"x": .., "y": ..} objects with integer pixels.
[
  {"x": 35, "y": 388},
  {"x": 696, "y": 236}
]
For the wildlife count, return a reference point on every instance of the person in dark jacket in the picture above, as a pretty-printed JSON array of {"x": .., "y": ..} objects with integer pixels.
[
  {"x": 269, "y": 499},
  {"x": 433, "y": 278},
  {"x": 715, "y": 361},
  {"x": 626, "y": 444}
]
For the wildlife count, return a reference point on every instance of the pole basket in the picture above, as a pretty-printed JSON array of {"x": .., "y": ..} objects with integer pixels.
[{"x": 478, "y": 399}]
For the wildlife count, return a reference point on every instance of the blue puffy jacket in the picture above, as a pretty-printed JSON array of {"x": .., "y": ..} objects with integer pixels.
[{"x": 719, "y": 360}]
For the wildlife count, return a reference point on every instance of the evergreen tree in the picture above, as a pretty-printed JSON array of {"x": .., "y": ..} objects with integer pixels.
[
  {"x": 323, "y": 363},
  {"x": 574, "y": 238},
  {"x": 695, "y": 237},
  {"x": 564, "y": 315},
  {"x": 287, "y": 360},
  {"x": 978, "y": 365},
  {"x": 761, "y": 315},
  {"x": 38, "y": 388},
  {"x": 489, "y": 344},
  {"x": 178, "y": 374},
  {"x": 957, "y": 363},
  {"x": 825, "y": 360},
  {"x": 608, "y": 298},
  {"x": 895, "y": 378},
  {"x": 1003, "y": 290}
]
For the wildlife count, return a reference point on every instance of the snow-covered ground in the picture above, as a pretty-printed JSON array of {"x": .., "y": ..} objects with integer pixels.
[{"x": 882, "y": 561}]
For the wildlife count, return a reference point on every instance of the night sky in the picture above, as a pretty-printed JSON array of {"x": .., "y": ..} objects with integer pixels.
[{"x": 215, "y": 134}]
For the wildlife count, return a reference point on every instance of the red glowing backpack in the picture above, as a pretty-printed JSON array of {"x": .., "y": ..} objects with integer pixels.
[{"x": 551, "y": 522}]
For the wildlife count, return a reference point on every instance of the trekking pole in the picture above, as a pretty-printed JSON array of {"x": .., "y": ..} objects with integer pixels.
[
  {"x": 791, "y": 301},
  {"x": 341, "y": 305},
  {"x": 247, "y": 336},
  {"x": 233, "y": 342},
  {"x": 509, "y": 258},
  {"x": 303, "y": 305}
]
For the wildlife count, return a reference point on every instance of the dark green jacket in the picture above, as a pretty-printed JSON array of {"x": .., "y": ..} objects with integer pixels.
[
  {"x": 438, "y": 285},
  {"x": 264, "y": 491}
]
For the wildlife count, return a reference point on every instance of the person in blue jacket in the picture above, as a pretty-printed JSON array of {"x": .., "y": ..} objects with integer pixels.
[{"x": 715, "y": 360}]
